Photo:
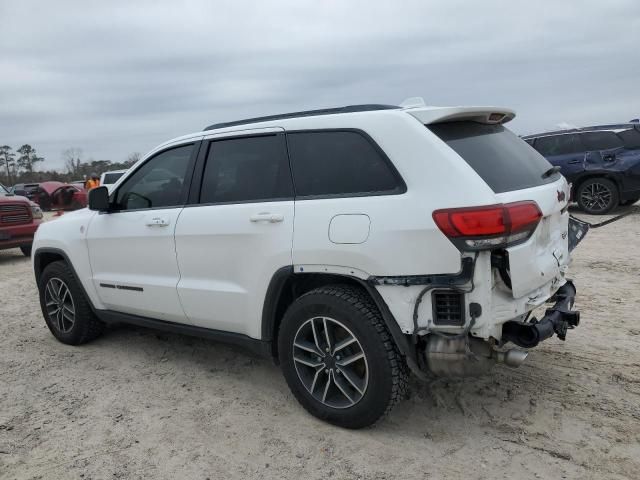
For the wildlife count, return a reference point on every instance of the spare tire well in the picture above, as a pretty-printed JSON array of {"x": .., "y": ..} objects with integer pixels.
[{"x": 284, "y": 288}]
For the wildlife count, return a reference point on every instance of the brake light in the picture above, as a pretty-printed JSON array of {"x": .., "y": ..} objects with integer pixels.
[{"x": 491, "y": 226}]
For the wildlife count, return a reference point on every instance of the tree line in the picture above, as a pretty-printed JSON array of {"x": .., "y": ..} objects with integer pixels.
[{"x": 20, "y": 166}]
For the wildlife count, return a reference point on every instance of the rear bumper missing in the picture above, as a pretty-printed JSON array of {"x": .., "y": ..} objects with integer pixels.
[{"x": 557, "y": 320}]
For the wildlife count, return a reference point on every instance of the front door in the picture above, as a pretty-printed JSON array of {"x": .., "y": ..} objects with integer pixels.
[
  {"x": 237, "y": 233},
  {"x": 132, "y": 248}
]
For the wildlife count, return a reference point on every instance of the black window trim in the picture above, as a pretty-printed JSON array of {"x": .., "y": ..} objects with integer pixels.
[
  {"x": 401, "y": 186},
  {"x": 201, "y": 163},
  {"x": 189, "y": 174}
]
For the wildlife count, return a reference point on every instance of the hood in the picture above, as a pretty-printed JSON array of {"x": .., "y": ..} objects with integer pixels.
[
  {"x": 14, "y": 199},
  {"x": 50, "y": 187}
]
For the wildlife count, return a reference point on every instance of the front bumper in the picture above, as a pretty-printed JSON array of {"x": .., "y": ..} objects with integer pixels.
[
  {"x": 18, "y": 235},
  {"x": 557, "y": 320}
]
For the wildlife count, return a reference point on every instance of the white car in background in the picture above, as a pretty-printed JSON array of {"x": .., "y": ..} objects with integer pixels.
[
  {"x": 350, "y": 245},
  {"x": 109, "y": 178}
]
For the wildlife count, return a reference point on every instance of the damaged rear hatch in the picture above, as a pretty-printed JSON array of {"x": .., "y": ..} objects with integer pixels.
[{"x": 517, "y": 173}]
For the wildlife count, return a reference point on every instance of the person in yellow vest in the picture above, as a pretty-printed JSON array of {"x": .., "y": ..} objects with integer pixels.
[{"x": 93, "y": 182}]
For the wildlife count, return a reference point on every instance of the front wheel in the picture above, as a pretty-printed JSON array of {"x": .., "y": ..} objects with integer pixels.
[
  {"x": 597, "y": 196},
  {"x": 64, "y": 306},
  {"x": 338, "y": 358}
]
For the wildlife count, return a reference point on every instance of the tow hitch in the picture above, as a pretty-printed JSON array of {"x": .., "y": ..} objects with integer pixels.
[{"x": 557, "y": 319}]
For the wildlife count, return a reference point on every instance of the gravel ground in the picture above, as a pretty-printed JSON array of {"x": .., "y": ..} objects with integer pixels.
[{"x": 141, "y": 404}]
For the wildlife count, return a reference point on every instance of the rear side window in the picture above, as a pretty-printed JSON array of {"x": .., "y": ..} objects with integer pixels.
[
  {"x": 340, "y": 163},
  {"x": 247, "y": 169},
  {"x": 502, "y": 159},
  {"x": 601, "y": 140},
  {"x": 564, "y": 144},
  {"x": 630, "y": 138}
]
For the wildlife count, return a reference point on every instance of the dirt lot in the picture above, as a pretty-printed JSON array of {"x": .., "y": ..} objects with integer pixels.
[{"x": 141, "y": 404}]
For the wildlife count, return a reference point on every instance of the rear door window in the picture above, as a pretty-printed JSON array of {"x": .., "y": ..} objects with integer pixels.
[
  {"x": 247, "y": 169},
  {"x": 564, "y": 144},
  {"x": 340, "y": 163},
  {"x": 604, "y": 140},
  {"x": 501, "y": 158}
]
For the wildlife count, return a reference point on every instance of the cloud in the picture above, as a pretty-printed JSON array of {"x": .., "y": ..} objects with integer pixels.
[{"x": 121, "y": 76}]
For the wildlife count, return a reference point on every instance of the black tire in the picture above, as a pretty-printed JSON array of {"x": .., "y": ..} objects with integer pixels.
[
  {"x": 386, "y": 372},
  {"x": 597, "y": 196},
  {"x": 85, "y": 326},
  {"x": 26, "y": 250}
]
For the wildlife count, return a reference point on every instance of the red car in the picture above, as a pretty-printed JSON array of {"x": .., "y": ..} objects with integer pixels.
[
  {"x": 19, "y": 220},
  {"x": 60, "y": 196}
]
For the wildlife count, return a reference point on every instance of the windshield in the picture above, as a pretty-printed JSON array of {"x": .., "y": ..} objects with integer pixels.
[{"x": 502, "y": 159}]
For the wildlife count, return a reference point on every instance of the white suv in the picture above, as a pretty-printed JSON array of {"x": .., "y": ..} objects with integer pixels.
[{"x": 352, "y": 245}]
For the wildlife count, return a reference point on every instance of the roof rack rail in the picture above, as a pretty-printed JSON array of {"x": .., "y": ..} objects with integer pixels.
[{"x": 308, "y": 113}]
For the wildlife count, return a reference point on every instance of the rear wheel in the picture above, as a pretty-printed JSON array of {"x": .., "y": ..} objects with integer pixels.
[
  {"x": 597, "y": 196},
  {"x": 338, "y": 357},
  {"x": 65, "y": 308}
]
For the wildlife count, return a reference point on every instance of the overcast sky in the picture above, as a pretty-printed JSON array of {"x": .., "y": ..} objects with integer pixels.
[{"x": 114, "y": 77}]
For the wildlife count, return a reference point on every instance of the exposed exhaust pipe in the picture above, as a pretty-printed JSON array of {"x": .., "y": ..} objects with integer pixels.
[
  {"x": 456, "y": 357},
  {"x": 512, "y": 358}
]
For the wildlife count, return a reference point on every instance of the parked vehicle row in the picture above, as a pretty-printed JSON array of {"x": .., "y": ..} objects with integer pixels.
[
  {"x": 53, "y": 195},
  {"x": 602, "y": 163},
  {"x": 422, "y": 240}
]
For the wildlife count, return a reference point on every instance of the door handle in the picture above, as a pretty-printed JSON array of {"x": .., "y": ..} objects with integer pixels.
[
  {"x": 267, "y": 217},
  {"x": 574, "y": 161},
  {"x": 157, "y": 222}
]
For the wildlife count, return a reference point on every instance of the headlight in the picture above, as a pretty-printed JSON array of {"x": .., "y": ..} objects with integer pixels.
[{"x": 36, "y": 212}]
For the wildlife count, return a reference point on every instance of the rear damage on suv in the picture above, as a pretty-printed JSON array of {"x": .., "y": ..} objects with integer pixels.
[{"x": 514, "y": 257}]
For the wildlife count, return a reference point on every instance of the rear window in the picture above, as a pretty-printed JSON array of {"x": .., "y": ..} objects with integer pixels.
[
  {"x": 501, "y": 158},
  {"x": 110, "y": 178},
  {"x": 630, "y": 138},
  {"x": 601, "y": 140}
]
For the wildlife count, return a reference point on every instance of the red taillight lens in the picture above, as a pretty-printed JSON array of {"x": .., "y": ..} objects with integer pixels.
[{"x": 490, "y": 226}]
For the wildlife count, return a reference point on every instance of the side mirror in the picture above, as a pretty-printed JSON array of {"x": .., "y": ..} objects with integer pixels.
[{"x": 99, "y": 199}]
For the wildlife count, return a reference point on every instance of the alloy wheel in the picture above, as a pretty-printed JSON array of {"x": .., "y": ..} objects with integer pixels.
[
  {"x": 330, "y": 362},
  {"x": 596, "y": 197},
  {"x": 59, "y": 305}
]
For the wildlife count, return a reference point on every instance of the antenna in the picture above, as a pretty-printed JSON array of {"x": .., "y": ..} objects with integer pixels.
[{"x": 413, "y": 102}]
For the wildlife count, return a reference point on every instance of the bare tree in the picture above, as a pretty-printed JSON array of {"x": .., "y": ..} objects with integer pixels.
[
  {"x": 133, "y": 158},
  {"x": 72, "y": 160}
]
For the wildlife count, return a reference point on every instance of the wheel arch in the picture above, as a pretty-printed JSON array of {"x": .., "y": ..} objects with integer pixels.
[
  {"x": 286, "y": 286},
  {"x": 615, "y": 178},
  {"x": 45, "y": 256}
]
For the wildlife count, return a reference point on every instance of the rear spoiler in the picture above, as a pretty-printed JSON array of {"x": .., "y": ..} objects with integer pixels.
[{"x": 491, "y": 115}]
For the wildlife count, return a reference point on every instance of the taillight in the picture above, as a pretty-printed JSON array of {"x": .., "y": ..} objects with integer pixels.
[{"x": 488, "y": 227}]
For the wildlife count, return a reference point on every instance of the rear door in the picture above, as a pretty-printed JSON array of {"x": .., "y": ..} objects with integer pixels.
[
  {"x": 564, "y": 150},
  {"x": 132, "y": 249},
  {"x": 237, "y": 230}
]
